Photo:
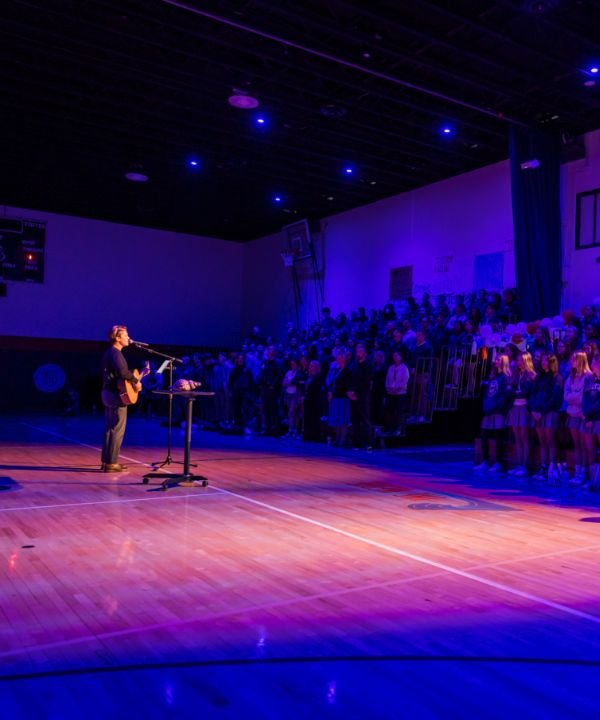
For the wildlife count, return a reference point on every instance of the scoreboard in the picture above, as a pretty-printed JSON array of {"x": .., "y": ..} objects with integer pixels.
[{"x": 22, "y": 244}]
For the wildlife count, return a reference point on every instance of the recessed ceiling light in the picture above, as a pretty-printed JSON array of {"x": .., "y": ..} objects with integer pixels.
[
  {"x": 243, "y": 102},
  {"x": 136, "y": 176}
]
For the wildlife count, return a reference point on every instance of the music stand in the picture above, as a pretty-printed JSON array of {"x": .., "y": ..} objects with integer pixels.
[
  {"x": 169, "y": 361},
  {"x": 186, "y": 478}
]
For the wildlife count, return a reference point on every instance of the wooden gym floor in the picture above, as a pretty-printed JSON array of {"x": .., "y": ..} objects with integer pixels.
[{"x": 303, "y": 582}]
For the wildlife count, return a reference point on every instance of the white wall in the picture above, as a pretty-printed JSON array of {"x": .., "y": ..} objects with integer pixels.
[
  {"x": 581, "y": 272},
  {"x": 458, "y": 218},
  {"x": 166, "y": 287}
]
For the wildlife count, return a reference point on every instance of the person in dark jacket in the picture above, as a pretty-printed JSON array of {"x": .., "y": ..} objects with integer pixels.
[
  {"x": 269, "y": 381},
  {"x": 241, "y": 386},
  {"x": 339, "y": 394},
  {"x": 519, "y": 417},
  {"x": 591, "y": 414},
  {"x": 114, "y": 371},
  {"x": 545, "y": 401},
  {"x": 360, "y": 407},
  {"x": 497, "y": 399},
  {"x": 313, "y": 402}
]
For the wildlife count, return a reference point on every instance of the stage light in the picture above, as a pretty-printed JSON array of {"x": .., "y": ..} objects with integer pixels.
[
  {"x": 277, "y": 198},
  {"x": 261, "y": 121},
  {"x": 348, "y": 170},
  {"x": 447, "y": 130},
  {"x": 243, "y": 102},
  {"x": 594, "y": 70},
  {"x": 136, "y": 175}
]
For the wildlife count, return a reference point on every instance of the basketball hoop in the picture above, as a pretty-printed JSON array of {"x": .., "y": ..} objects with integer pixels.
[{"x": 288, "y": 258}]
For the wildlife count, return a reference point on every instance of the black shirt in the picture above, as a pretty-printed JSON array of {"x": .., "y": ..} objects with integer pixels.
[
  {"x": 115, "y": 368},
  {"x": 361, "y": 377}
]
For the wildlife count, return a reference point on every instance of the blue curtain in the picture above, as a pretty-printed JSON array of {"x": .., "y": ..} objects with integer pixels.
[{"x": 536, "y": 219}]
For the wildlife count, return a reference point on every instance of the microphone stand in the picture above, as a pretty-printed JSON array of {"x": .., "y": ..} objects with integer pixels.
[{"x": 144, "y": 346}]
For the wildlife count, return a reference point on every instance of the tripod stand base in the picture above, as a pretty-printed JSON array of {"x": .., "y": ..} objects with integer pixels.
[
  {"x": 169, "y": 461},
  {"x": 172, "y": 480}
]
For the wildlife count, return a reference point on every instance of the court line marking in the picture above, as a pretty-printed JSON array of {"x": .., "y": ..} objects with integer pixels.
[
  {"x": 418, "y": 558},
  {"x": 443, "y": 568},
  {"x": 502, "y": 587},
  {"x": 252, "y": 609},
  {"x": 111, "y": 502}
]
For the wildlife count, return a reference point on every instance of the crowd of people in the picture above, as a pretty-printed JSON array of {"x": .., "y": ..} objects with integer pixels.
[{"x": 347, "y": 377}]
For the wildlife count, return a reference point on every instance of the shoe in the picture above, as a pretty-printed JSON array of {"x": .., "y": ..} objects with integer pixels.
[
  {"x": 482, "y": 466},
  {"x": 541, "y": 474},
  {"x": 114, "y": 468},
  {"x": 513, "y": 471},
  {"x": 496, "y": 467},
  {"x": 521, "y": 471},
  {"x": 421, "y": 419}
]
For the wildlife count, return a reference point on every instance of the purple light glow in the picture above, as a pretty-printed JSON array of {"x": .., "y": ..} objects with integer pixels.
[{"x": 243, "y": 102}]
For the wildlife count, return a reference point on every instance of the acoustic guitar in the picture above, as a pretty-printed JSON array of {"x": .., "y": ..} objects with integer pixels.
[{"x": 127, "y": 392}]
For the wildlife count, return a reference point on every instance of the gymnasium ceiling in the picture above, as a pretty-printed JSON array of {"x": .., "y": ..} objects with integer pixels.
[{"x": 93, "y": 89}]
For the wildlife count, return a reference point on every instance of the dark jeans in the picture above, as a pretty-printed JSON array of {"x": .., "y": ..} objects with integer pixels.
[
  {"x": 240, "y": 400},
  {"x": 115, "y": 419},
  {"x": 270, "y": 399},
  {"x": 360, "y": 411},
  {"x": 312, "y": 420},
  {"x": 398, "y": 410}
]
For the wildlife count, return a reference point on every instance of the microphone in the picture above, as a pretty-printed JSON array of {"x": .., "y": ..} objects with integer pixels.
[{"x": 139, "y": 344}]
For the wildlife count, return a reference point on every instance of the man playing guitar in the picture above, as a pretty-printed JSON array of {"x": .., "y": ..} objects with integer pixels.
[{"x": 120, "y": 387}]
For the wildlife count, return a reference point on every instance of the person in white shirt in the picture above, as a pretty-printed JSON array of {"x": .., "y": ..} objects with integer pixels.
[{"x": 396, "y": 385}]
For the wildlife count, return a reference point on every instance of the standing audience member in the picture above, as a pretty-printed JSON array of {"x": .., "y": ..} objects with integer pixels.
[
  {"x": 339, "y": 393},
  {"x": 545, "y": 401},
  {"x": 574, "y": 386},
  {"x": 519, "y": 417},
  {"x": 496, "y": 400},
  {"x": 591, "y": 414},
  {"x": 360, "y": 408},
  {"x": 241, "y": 387},
  {"x": 396, "y": 384},
  {"x": 313, "y": 402},
  {"x": 269, "y": 381},
  {"x": 293, "y": 398},
  {"x": 378, "y": 393}
]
